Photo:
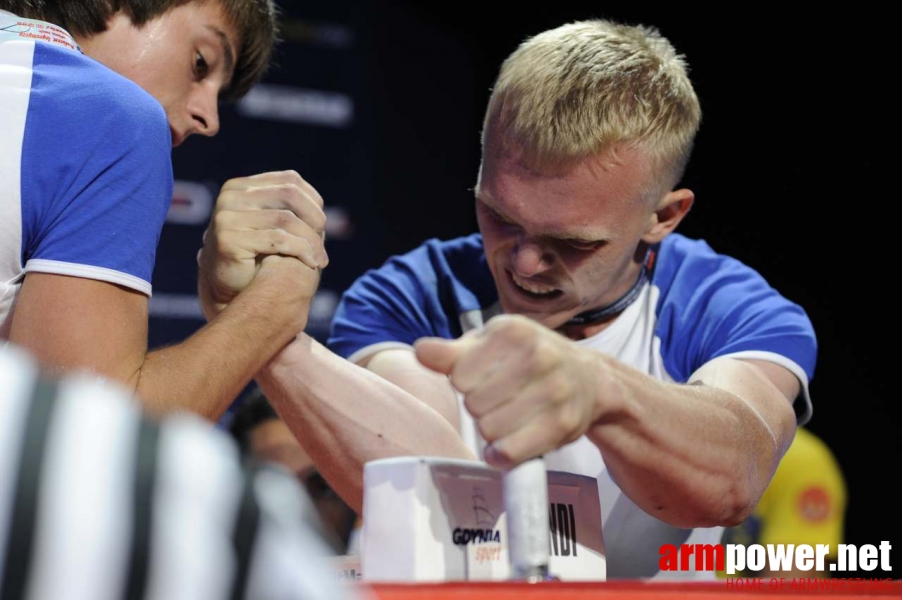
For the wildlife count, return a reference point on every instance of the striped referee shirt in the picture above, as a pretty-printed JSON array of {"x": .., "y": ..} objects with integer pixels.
[{"x": 99, "y": 502}]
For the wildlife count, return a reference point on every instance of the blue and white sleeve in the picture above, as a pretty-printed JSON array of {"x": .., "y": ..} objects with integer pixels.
[
  {"x": 94, "y": 203},
  {"x": 730, "y": 310},
  {"x": 390, "y": 307}
]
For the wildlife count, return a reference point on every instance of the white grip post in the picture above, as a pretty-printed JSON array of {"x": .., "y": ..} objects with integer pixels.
[{"x": 528, "y": 531}]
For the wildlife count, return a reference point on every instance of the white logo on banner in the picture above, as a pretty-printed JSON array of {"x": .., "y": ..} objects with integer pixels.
[
  {"x": 191, "y": 204},
  {"x": 297, "y": 105},
  {"x": 176, "y": 306}
]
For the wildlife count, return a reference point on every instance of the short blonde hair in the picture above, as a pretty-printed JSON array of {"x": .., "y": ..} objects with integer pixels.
[{"x": 591, "y": 87}]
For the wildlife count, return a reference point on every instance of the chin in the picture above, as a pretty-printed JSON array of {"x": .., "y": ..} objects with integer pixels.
[{"x": 550, "y": 320}]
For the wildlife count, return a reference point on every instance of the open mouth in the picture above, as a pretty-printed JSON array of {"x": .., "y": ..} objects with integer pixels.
[{"x": 534, "y": 290}]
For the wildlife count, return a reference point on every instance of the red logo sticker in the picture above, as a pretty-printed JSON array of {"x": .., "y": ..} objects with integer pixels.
[{"x": 814, "y": 504}]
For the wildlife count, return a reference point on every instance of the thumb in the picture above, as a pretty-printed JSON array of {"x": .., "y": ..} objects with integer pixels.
[{"x": 439, "y": 354}]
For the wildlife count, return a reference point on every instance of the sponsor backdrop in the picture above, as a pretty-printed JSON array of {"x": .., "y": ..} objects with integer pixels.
[{"x": 379, "y": 106}]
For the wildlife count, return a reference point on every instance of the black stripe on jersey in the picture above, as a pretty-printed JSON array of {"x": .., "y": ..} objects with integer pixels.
[
  {"x": 143, "y": 488},
  {"x": 246, "y": 526},
  {"x": 25, "y": 505}
]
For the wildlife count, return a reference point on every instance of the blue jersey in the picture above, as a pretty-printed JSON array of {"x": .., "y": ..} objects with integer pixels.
[
  {"x": 85, "y": 165},
  {"x": 696, "y": 306}
]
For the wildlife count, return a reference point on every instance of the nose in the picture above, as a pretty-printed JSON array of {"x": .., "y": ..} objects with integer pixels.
[
  {"x": 203, "y": 107},
  {"x": 529, "y": 257}
]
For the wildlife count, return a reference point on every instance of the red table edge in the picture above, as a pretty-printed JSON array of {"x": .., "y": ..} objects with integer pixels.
[{"x": 616, "y": 590}]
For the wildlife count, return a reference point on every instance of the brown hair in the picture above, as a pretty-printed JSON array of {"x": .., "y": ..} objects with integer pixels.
[{"x": 255, "y": 21}]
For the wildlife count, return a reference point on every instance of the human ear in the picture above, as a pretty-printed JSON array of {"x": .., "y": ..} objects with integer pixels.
[{"x": 670, "y": 211}]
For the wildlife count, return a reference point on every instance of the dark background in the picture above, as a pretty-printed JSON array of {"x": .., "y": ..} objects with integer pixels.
[{"x": 787, "y": 174}]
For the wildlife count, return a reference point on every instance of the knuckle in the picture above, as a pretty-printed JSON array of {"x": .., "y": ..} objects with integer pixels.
[
  {"x": 571, "y": 425},
  {"x": 558, "y": 428},
  {"x": 488, "y": 429},
  {"x": 519, "y": 322},
  {"x": 284, "y": 218},
  {"x": 227, "y": 197},
  {"x": 500, "y": 322},
  {"x": 229, "y": 184},
  {"x": 288, "y": 192},
  {"x": 546, "y": 353},
  {"x": 315, "y": 196},
  {"x": 293, "y": 177},
  {"x": 537, "y": 357},
  {"x": 278, "y": 239},
  {"x": 508, "y": 455},
  {"x": 221, "y": 219},
  {"x": 473, "y": 405},
  {"x": 455, "y": 378},
  {"x": 318, "y": 221},
  {"x": 316, "y": 246},
  {"x": 517, "y": 329},
  {"x": 459, "y": 382},
  {"x": 222, "y": 243},
  {"x": 557, "y": 392}
]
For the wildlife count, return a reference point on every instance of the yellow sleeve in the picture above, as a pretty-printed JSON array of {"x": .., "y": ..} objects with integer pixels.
[{"x": 805, "y": 502}]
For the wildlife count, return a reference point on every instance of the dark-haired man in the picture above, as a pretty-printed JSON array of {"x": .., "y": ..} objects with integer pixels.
[{"x": 92, "y": 97}]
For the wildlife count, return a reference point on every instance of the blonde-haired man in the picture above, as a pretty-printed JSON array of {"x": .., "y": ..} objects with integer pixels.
[{"x": 576, "y": 325}]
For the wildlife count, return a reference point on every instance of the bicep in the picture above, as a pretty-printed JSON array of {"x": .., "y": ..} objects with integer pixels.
[
  {"x": 401, "y": 367},
  {"x": 767, "y": 388},
  {"x": 77, "y": 323}
]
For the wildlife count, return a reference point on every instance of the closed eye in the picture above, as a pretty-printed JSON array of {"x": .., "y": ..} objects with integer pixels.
[
  {"x": 585, "y": 246},
  {"x": 494, "y": 214}
]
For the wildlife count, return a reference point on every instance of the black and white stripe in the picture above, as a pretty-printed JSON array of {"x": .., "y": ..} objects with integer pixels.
[{"x": 98, "y": 502}]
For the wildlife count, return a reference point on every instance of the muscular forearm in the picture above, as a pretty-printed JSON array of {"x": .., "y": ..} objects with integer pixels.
[
  {"x": 690, "y": 455},
  {"x": 207, "y": 371},
  {"x": 344, "y": 415}
]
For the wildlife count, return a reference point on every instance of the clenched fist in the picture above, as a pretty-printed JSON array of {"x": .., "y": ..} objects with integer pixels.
[
  {"x": 269, "y": 214},
  {"x": 529, "y": 389}
]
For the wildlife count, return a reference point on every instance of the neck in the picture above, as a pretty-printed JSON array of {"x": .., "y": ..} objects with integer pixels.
[
  {"x": 581, "y": 332},
  {"x": 593, "y": 321}
]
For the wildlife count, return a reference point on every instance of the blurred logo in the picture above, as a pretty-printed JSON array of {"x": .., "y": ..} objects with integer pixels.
[
  {"x": 322, "y": 309},
  {"x": 814, "y": 504},
  {"x": 317, "y": 33},
  {"x": 176, "y": 306},
  {"x": 297, "y": 105},
  {"x": 338, "y": 223},
  {"x": 192, "y": 203}
]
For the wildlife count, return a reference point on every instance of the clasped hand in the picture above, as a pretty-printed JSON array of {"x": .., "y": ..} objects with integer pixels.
[{"x": 257, "y": 224}]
